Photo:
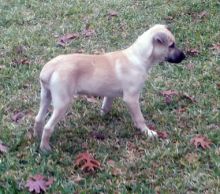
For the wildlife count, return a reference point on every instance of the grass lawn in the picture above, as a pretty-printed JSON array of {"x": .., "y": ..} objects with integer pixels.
[{"x": 130, "y": 163}]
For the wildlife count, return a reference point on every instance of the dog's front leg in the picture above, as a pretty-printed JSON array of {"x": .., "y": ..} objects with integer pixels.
[{"x": 132, "y": 101}]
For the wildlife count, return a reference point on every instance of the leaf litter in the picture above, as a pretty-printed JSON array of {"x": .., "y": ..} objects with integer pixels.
[
  {"x": 38, "y": 183},
  {"x": 86, "y": 162},
  {"x": 201, "y": 141},
  {"x": 67, "y": 38},
  {"x": 3, "y": 148}
]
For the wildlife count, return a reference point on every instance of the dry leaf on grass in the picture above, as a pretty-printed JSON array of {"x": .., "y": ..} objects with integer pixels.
[
  {"x": 169, "y": 18},
  {"x": 20, "y": 61},
  {"x": 169, "y": 94},
  {"x": 3, "y": 148},
  {"x": 201, "y": 141},
  {"x": 203, "y": 14},
  {"x": 181, "y": 110},
  {"x": 88, "y": 31},
  {"x": 111, "y": 14},
  {"x": 193, "y": 52},
  {"x": 38, "y": 183},
  {"x": 191, "y": 98},
  {"x": 67, "y": 38},
  {"x": 17, "y": 116},
  {"x": 86, "y": 162},
  {"x": 162, "y": 134},
  {"x": 91, "y": 99}
]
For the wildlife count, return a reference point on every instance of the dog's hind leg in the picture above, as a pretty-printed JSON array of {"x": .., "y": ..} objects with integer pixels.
[
  {"x": 60, "y": 101},
  {"x": 106, "y": 105},
  {"x": 45, "y": 100}
]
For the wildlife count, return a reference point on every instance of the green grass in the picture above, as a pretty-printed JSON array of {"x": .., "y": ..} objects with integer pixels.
[{"x": 147, "y": 166}]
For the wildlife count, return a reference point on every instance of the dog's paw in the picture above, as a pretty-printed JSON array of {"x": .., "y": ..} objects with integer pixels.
[
  {"x": 150, "y": 133},
  {"x": 102, "y": 113},
  {"x": 45, "y": 148}
]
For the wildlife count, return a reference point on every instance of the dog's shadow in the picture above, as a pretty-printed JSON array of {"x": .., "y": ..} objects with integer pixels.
[{"x": 87, "y": 126}]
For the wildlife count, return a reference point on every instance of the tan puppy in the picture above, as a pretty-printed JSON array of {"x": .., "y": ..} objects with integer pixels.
[{"x": 117, "y": 74}]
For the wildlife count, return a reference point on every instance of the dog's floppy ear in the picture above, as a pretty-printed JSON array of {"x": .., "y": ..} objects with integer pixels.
[{"x": 161, "y": 38}]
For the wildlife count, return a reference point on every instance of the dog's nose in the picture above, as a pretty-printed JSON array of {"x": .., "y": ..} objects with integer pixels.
[
  {"x": 176, "y": 56},
  {"x": 181, "y": 56}
]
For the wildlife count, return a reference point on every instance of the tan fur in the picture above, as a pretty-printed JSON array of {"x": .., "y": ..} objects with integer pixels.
[{"x": 116, "y": 74}]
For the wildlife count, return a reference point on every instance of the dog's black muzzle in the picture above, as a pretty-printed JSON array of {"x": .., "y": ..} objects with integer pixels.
[{"x": 175, "y": 56}]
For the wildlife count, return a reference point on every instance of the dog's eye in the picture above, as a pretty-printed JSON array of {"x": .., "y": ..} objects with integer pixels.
[{"x": 172, "y": 45}]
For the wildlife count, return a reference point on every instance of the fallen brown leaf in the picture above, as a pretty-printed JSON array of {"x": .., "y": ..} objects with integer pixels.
[
  {"x": 112, "y": 13},
  {"x": 181, "y": 110},
  {"x": 38, "y": 183},
  {"x": 3, "y": 148},
  {"x": 67, "y": 38},
  {"x": 201, "y": 141},
  {"x": 203, "y": 14},
  {"x": 169, "y": 93},
  {"x": 191, "y": 98},
  {"x": 17, "y": 116},
  {"x": 162, "y": 134},
  {"x": 193, "y": 52},
  {"x": 90, "y": 99},
  {"x": 88, "y": 31},
  {"x": 22, "y": 61},
  {"x": 169, "y": 18},
  {"x": 86, "y": 162}
]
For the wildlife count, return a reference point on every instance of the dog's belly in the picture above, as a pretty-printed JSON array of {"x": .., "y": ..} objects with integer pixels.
[{"x": 100, "y": 91}]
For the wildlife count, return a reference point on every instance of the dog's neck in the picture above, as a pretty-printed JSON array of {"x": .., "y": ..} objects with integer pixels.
[{"x": 140, "y": 53}]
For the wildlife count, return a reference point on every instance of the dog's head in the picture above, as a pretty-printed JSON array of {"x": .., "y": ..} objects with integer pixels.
[{"x": 164, "y": 45}]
